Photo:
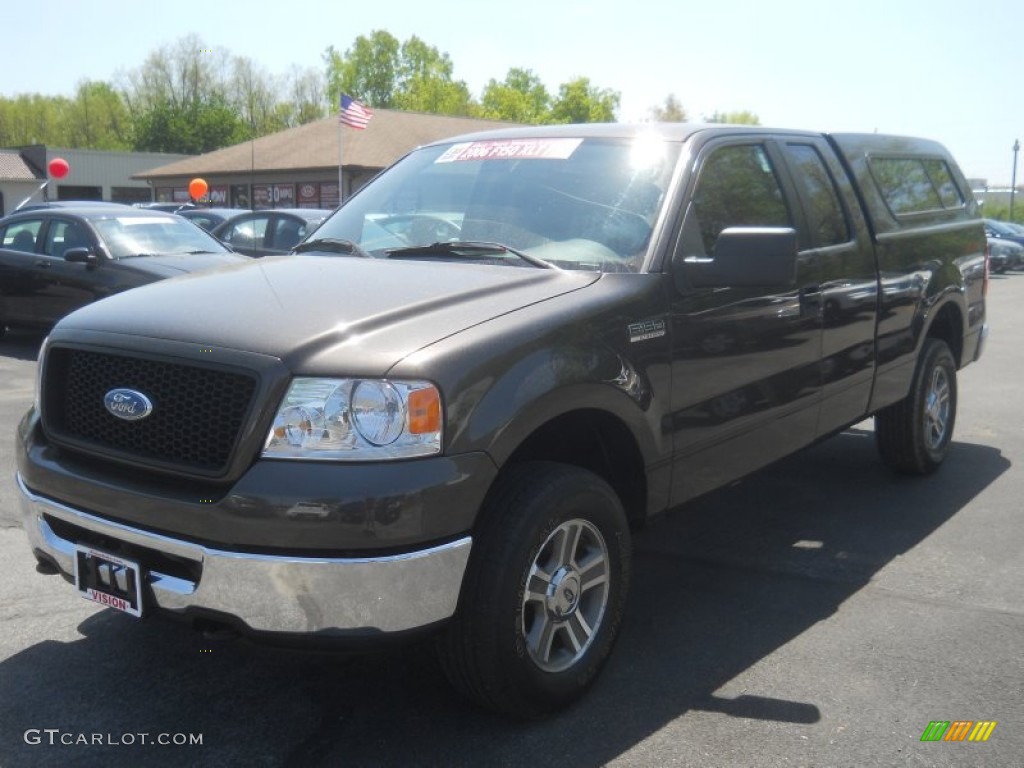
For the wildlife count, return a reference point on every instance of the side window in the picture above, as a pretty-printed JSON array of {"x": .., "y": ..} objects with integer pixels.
[
  {"x": 247, "y": 233},
  {"x": 22, "y": 235},
  {"x": 287, "y": 233},
  {"x": 737, "y": 187},
  {"x": 62, "y": 235},
  {"x": 825, "y": 213},
  {"x": 915, "y": 185},
  {"x": 940, "y": 176}
]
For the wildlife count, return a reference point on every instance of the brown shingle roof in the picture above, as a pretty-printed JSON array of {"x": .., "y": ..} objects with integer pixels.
[
  {"x": 315, "y": 145},
  {"x": 14, "y": 168}
]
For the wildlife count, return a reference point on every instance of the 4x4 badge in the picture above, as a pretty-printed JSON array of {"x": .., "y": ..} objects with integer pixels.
[{"x": 127, "y": 404}]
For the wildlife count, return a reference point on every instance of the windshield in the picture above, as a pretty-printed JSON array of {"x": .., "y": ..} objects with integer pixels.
[
  {"x": 127, "y": 236},
  {"x": 573, "y": 203}
]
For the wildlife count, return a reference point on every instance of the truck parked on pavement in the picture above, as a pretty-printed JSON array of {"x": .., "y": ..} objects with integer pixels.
[{"x": 450, "y": 409}]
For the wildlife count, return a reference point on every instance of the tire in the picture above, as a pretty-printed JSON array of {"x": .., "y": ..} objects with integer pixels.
[
  {"x": 551, "y": 558},
  {"x": 913, "y": 435}
]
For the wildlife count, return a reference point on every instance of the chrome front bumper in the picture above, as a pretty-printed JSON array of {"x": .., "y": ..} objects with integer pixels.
[{"x": 344, "y": 596}]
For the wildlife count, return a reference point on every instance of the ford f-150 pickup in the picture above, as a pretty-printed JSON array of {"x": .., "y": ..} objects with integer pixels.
[{"x": 451, "y": 406}]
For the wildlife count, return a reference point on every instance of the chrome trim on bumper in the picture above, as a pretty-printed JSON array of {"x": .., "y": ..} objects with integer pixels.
[{"x": 273, "y": 593}]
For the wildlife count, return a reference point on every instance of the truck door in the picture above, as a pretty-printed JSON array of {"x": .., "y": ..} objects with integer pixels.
[
  {"x": 843, "y": 256},
  {"x": 746, "y": 379}
]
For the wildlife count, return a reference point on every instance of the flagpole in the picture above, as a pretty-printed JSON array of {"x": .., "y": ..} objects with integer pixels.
[
  {"x": 356, "y": 115},
  {"x": 340, "y": 156}
]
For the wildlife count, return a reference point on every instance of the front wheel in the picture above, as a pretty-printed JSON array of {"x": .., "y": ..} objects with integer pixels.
[
  {"x": 914, "y": 435},
  {"x": 544, "y": 593}
]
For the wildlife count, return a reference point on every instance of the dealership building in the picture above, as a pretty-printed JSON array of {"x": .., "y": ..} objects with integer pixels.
[
  {"x": 316, "y": 165},
  {"x": 92, "y": 175},
  {"x": 298, "y": 167}
]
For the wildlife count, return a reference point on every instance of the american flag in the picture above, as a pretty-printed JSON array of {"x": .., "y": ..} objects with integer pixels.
[{"x": 353, "y": 113}]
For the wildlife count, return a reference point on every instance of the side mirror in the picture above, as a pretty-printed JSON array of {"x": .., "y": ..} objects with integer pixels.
[
  {"x": 81, "y": 256},
  {"x": 762, "y": 257}
]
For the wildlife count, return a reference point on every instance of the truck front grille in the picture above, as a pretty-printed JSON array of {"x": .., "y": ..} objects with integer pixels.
[{"x": 198, "y": 411}]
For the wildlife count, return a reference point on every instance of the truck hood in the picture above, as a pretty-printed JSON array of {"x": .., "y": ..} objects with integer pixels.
[{"x": 325, "y": 314}]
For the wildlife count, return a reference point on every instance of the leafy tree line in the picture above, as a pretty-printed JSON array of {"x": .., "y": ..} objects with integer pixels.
[
  {"x": 187, "y": 97},
  {"x": 412, "y": 75},
  {"x": 1001, "y": 211},
  {"x": 389, "y": 74}
]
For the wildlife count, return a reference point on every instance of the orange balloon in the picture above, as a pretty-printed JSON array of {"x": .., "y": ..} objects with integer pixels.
[{"x": 198, "y": 188}]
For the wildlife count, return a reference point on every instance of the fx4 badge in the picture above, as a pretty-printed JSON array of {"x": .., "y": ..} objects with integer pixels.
[{"x": 648, "y": 329}]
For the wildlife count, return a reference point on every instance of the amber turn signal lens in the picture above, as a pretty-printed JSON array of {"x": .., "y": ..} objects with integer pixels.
[{"x": 424, "y": 411}]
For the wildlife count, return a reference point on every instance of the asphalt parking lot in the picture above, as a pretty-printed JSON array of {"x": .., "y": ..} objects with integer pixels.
[{"x": 820, "y": 613}]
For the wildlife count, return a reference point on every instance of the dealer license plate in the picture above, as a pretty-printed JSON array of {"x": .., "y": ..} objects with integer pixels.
[{"x": 108, "y": 580}]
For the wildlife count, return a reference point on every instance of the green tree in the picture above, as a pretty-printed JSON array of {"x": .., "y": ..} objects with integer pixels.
[
  {"x": 31, "y": 118},
  {"x": 97, "y": 118},
  {"x": 387, "y": 74},
  {"x": 201, "y": 128},
  {"x": 179, "y": 100},
  {"x": 580, "y": 102},
  {"x": 671, "y": 111},
  {"x": 253, "y": 94},
  {"x": 306, "y": 95},
  {"x": 1000, "y": 211},
  {"x": 743, "y": 117},
  {"x": 425, "y": 81},
  {"x": 179, "y": 75},
  {"x": 368, "y": 70},
  {"x": 521, "y": 98}
]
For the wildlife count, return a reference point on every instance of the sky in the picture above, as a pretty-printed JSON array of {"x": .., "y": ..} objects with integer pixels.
[{"x": 949, "y": 70}]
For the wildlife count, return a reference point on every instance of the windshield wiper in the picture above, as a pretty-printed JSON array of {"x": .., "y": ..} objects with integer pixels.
[
  {"x": 467, "y": 248},
  {"x": 331, "y": 245}
]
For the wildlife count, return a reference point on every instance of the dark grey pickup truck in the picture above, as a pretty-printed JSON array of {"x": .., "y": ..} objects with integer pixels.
[{"x": 448, "y": 410}]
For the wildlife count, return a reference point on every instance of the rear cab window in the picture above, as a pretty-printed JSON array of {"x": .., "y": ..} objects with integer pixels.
[{"x": 911, "y": 185}]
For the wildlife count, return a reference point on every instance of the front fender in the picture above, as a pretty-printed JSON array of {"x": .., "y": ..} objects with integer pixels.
[{"x": 504, "y": 379}]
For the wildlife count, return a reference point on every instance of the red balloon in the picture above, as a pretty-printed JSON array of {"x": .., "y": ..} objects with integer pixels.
[
  {"x": 198, "y": 188},
  {"x": 59, "y": 167}
]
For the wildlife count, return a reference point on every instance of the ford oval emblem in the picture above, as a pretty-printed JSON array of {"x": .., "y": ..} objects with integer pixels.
[{"x": 127, "y": 404}]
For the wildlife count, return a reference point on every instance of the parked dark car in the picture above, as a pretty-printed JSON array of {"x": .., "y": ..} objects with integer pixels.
[
  {"x": 1004, "y": 231},
  {"x": 209, "y": 218},
  {"x": 1004, "y": 254},
  {"x": 1017, "y": 229},
  {"x": 269, "y": 232},
  {"x": 55, "y": 260}
]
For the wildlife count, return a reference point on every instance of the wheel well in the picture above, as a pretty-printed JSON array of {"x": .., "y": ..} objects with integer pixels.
[
  {"x": 596, "y": 441},
  {"x": 948, "y": 326}
]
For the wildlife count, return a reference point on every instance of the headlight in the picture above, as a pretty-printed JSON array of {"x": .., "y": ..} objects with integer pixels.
[{"x": 356, "y": 420}]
